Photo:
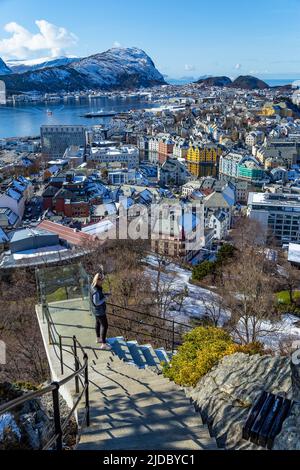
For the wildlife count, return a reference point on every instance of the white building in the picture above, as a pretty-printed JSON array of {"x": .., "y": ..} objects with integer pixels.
[
  {"x": 118, "y": 177},
  {"x": 253, "y": 138},
  {"x": 2, "y": 92},
  {"x": 180, "y": 148},
  {"x": 173, "y": 173},
  {"x": 278, "y": 214},
  {"x": 190, "y": 187},
  {"x": 15, "y": 196},
  {"x": 127, "y": 155},
  {"x": 74, "y": 155},
  {"x": 220, "y": 223}
]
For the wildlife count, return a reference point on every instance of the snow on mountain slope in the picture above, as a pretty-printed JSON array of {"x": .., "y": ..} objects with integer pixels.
[
  {"x": 4, "y": 70},
  {"x": 20, "y": 66},
  {"x": 115, "y": 68}
]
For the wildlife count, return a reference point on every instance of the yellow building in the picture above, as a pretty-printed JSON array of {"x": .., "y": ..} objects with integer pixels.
[
  {"x": 203, "y": 160},
  {"x": 268, "y": 109}
]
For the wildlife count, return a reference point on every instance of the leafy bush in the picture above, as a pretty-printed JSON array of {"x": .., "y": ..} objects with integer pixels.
[
  {"x": 225, "y": 253},
  {"x": 201, "y": 350},
  {"x": 200, "y": 271}
]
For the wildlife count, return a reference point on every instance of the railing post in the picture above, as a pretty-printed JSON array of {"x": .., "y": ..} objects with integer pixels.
[
  {"x": 173, "y": 336},
  {"x": 43, "y": 311},
  {"x": 61, "y": 356},
  {"x": 49, "y": 330},
  {"x": 76, "y": 364},
  {"x": 56, "y": 413},
  {"x": 86, "y": 383}
]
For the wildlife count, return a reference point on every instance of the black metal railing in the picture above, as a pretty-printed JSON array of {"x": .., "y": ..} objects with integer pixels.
[
  {"x": 161, "y": 330},
  {"x": 60, "y": 427},
  {"x": 79, "y": 375}
]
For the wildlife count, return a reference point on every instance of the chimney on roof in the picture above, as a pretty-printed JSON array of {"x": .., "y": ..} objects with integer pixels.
[{"x": 69, "y": 176}]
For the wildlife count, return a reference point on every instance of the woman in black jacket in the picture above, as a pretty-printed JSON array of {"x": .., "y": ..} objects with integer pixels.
[{"x": 98, "y": 306}]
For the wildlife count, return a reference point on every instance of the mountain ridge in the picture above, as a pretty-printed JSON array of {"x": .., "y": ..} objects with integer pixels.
[
  {"x": 115, "y": 68},
  {"x": 4, "y": 69},
  {"x": 20, "y": 66}
]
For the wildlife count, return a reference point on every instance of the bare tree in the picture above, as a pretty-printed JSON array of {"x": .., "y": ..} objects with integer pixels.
[
  {"x": 214, "y": 310},
  {"x": 248, "y": 296},
  {"x": 291, "y": 279}
]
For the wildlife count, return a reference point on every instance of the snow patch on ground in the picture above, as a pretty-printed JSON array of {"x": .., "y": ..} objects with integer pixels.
[
  {"x": 194, "y": 305},
  {"x": 7, "y": 422}
]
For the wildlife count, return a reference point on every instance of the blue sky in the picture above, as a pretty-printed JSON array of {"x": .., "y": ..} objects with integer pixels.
[{"x": 186, "y": 38}]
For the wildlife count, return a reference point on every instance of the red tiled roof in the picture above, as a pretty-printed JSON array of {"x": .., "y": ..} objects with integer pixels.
[{"x": 66, "y": 233}]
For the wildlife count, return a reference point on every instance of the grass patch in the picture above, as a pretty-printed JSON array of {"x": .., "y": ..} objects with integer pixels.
[
  {"x": 58, "y": 295},
  {"x": 283, "y": 297}
]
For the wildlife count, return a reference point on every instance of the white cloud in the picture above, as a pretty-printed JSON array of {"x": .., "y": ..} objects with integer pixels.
[
  {"x": 189, "y": 68},
  {"x": 22, "y": 44},
  {"x": 117, "y": 44},
  {"x": 237, "y": 66}
]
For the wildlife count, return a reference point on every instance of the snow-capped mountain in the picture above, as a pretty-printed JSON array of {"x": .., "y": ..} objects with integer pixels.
[
  {"x": 116, "y": 68},
  {"x": 21, "y": 66},
  {"x": 4, "y": 70}
]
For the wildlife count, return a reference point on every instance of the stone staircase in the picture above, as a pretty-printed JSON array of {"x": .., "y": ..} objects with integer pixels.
[{"x": 132, "y": 406}]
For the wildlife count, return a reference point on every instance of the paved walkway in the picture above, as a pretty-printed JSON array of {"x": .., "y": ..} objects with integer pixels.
[{"x": 131, "y": 407}]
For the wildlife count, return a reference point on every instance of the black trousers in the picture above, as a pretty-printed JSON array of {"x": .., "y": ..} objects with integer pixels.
[{"x": 101, "y": 327}]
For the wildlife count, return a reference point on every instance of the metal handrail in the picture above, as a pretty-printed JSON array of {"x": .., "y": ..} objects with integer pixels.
[
  {"x": 37, "y": 393},
  {"x": 150, "y": 315},
  {"x": 54, "y": 388}
]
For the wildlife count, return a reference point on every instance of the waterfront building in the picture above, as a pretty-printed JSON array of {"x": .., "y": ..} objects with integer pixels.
[
  {"x": 2, "y": 92},
  {"x": 56, "y": 139}
]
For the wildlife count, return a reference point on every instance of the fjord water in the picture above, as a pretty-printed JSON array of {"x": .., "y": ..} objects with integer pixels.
[{"x": 25, "y": 119}]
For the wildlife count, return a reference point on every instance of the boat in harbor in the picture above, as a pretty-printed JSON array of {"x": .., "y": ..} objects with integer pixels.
[
  {"x": 101, "y": 113},
  {"x": 49, "y": 112}
]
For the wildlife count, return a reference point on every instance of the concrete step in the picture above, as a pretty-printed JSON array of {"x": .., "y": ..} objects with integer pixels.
[
  {"x": 136, "y": 354},
  {"x": 139, "y": 437},
  {"x": 132, "y": 389},
  {"x": 121, "y": 401},
  {"x": 162, "y": 355},
  {"x": 126, "y": 427},
  {"x": 119, "y": 347},
  {"x": 150, "y": 355},
  {"x": 114, "y": 374},
  {"x": 154, "y": 418}
]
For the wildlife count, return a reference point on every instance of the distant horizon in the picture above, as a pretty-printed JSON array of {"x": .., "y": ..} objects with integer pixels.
[{"x": 264, "y": 76}]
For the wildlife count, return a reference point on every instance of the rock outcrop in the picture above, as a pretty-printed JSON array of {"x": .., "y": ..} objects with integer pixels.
[
  {"x": 247, "y": 82},
  {"x": 225, "y": 395},
  {"x": 24, "y": 427},
  {"x": 214, "y": 81},
  {"x": 29, "y": 426}
]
